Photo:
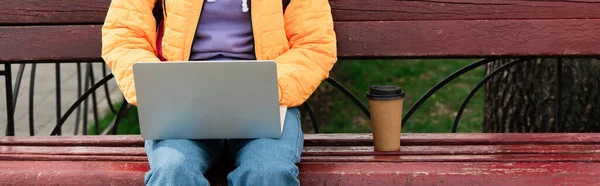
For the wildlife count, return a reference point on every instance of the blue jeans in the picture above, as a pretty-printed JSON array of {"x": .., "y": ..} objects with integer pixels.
[{"x": 257, "y": 161}]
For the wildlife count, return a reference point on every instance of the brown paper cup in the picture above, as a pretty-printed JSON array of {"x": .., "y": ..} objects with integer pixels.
[{"x": 386, "y": 118}]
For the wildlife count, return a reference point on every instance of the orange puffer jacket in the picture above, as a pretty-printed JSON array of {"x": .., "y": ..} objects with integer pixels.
[{"x": 301, "y": 40}]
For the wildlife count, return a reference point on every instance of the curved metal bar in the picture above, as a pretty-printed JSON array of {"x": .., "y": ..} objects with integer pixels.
[
  {"x": 18, "y": 85},
  {"x": 58, "y": 101},
  {"x": 478, "y": 86},
  {"x": 95, "y": 104},
  {"x": 78, "y": 101},
  {"x": 110, "y": 105},
  {"x": 78, "y": 112},
  {"x": 122, "y": 110},
  {"x": 349, "y": 94},
  {"x": 31, "y": 95},
  {"x": 443, "y": 83},
  {"x": 311, "y": 114}
]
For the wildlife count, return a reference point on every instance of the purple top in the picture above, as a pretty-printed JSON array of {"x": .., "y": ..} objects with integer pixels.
[{"x": 224, "y": 32}]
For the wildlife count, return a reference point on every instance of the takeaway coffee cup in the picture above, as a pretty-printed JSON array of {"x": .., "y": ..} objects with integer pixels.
[{"x": 385, "y": 104}]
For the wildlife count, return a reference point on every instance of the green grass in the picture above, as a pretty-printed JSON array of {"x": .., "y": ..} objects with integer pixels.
[
  {"x": 415, "y": 77},
  {"x": 129, "y": 124}
]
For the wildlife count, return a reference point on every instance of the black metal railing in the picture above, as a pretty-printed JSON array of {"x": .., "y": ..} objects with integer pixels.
[{"x": 12, "y": 92}]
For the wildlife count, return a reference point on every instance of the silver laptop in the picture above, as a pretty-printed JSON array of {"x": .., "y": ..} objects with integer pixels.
[{"x": 208, "y": 100}]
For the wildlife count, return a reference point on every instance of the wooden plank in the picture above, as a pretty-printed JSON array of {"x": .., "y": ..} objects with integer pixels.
[
  {"x": 484, "y": 174},
  {"x": 86, "y": 173},
  {"x": 471, "y": 38},
  {"x": 51, "y": 43},
  {"x": 390, "y": 10},
  {"x": 37, "y": 157},
  {"x": 460, "y": 158},
  {"x": 408, "y": 139},
  {"x": 452, "y": 150},
  {"x": 406, "y": 39},
  {"x": 72, "y": 173},
  {"x": 21, "y": 12},
  {"x": 329, "y": 150},
  {"x": 479, "y": 173},
  {"x": 75, "y": 166},
  {"x": 340, "y": 158},
  {"x": 73, "y": 150},
  {"x": 428, "y": 139},
  {"x": 104, "y": 141}
]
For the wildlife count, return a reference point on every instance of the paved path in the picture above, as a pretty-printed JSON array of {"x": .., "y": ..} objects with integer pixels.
[{"x": 45, "y": 98}]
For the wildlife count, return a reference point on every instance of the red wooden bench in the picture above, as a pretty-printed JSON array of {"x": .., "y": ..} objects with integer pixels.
[
  {"x": 56, "y": 31},
  {"x": 329, "y": 159}
]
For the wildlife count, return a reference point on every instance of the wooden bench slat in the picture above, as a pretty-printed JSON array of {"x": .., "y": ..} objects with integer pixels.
[
  {"x": 46, "y": 157},
  {"x": 520, "y": 173},
  {"x": 315, "y": 173},
  {"x": 355, "y": 39},
  {"x": 73, "y": 150},
  {"x": 389, "y": 10},
  {"x": 329, "y": 150},
  {"x": 408, "y": 139},
  {"x": 74, "y": 166},
  {"x": 72, "y": 173},
  {"x": 342, "y": 158},
  {"x": 460, "y": 158},
  {"x": 51, "y": 43},
  {"x": 22, "y": 12},
  {"x": 411, "y": 39},
  {"x": 452, "y": 150},
  {"x": 108, "y": 141}
]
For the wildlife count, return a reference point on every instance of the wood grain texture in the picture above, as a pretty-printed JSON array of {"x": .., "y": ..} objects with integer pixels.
[
  {"x": 428, "y": 139},
  {"x": 24, "y": 12},
  {"x": 329, "y": 150},
  {"x": 468, "y": 38},
  {"x": 459, "y": 158},
  {"x": 315, "y": 173},
  {"x": 72, "y": 173},
  {"x": 408, "y": 139},
  {"x": 51, "y": 43},
  {"x": 479, "y": 173},
  {"x": 405, "y": 39},
  {"x": 452, "y": 150},
  {"x": 339, "y": 157},
  {"x": 328, "y": 159},
  {"x": 103, "y": 141},
  {"x": 403, "y": 10},
  {"x": 43, "y": 157},
  {"x": 73, "y": 150}
]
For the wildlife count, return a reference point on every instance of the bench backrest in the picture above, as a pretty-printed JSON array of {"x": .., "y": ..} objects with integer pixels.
[{"x": 33, "y": 30}]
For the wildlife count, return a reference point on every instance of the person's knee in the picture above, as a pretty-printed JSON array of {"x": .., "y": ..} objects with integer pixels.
[
  {"x": 179, "y": 165},
  {"x": 265, "y": 174},
  {"x": 172, "y": 169}
]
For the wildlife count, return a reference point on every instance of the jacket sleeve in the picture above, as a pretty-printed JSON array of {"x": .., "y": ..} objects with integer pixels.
[
  {"x": 309, "y": 29},
  {"x": 128, "y": 36}
]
